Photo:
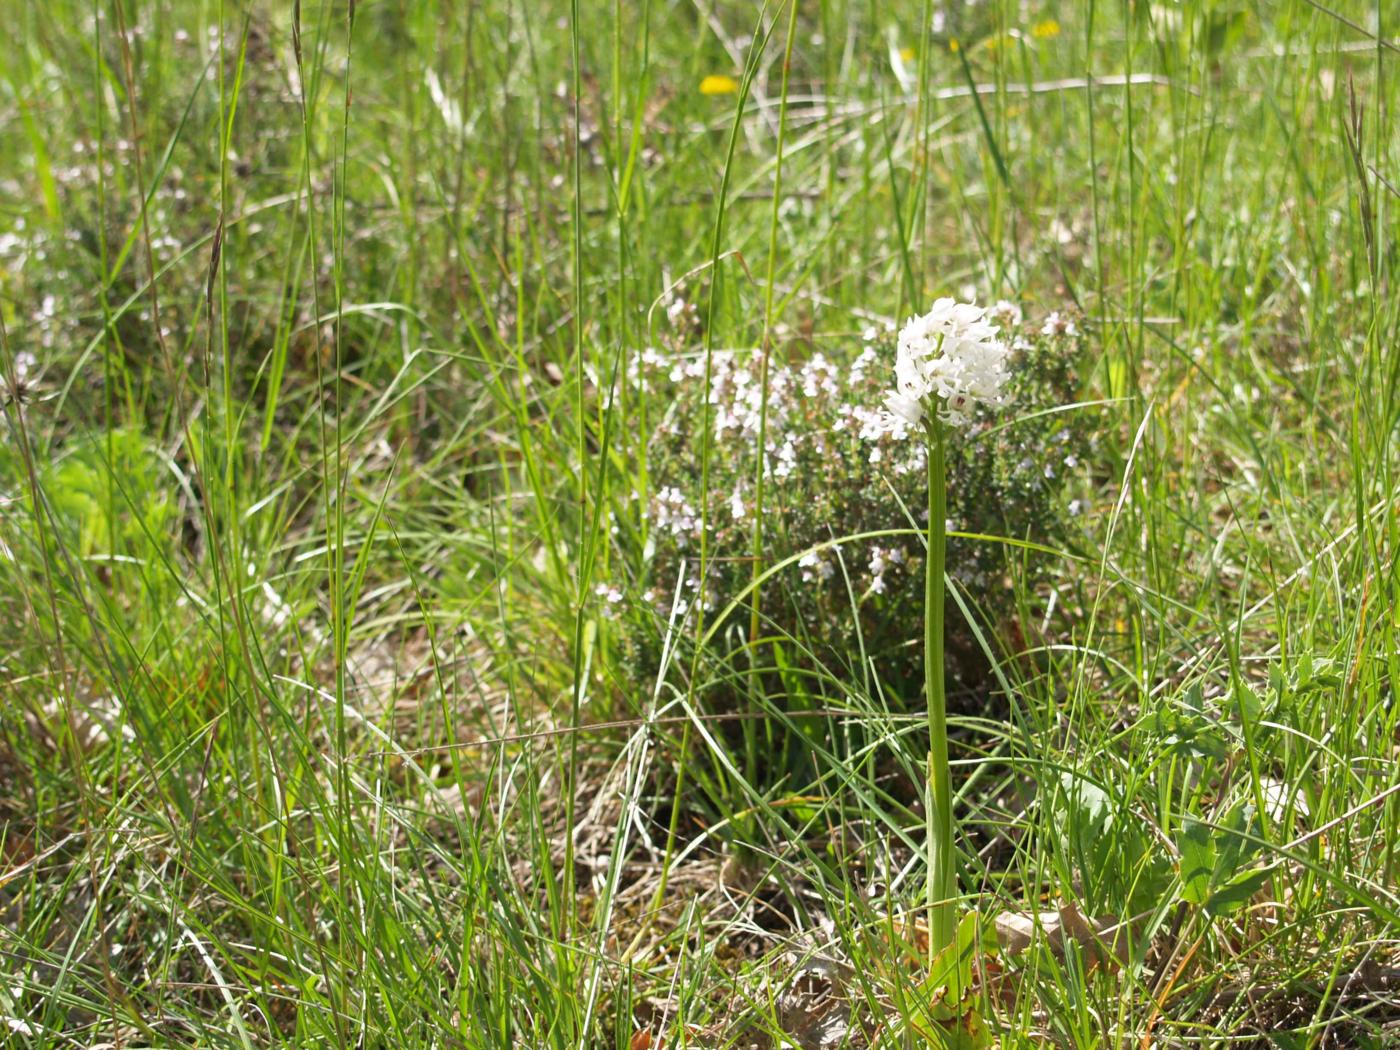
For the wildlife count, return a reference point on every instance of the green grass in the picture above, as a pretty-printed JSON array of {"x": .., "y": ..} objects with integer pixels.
[{"x": 315, "y": 730}]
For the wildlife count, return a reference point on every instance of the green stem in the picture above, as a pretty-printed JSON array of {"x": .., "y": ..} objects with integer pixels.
[{"x": 942, "y": 880}]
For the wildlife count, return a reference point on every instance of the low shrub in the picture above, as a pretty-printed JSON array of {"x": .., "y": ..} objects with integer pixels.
[{"x": 837, "y": 464}]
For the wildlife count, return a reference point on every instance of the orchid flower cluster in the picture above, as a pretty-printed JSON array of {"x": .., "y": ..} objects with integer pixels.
[{"x": 952, "y": 356}]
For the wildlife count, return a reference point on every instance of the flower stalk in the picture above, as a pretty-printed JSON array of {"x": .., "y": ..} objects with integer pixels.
[{"x": 942, "y": 877}]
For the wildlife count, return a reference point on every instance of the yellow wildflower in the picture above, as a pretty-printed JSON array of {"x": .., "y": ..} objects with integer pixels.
[
  {"x": 906, "y": 53},
  {"x": 1044, "y": 30},
  {"x": 718, "y": 84}
]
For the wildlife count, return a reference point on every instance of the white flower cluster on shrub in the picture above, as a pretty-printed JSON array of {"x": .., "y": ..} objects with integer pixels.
[{"x": 837, "y": 462}]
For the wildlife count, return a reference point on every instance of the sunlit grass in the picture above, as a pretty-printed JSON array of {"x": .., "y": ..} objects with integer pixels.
[{"x": 334, "y": 712}]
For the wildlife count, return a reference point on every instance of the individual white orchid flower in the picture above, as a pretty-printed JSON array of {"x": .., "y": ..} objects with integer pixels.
[{"x": 909, "y": 409}]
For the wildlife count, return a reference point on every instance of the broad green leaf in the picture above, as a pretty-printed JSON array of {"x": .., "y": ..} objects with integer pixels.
[
  {"x": 952, "y": 969},
  {"x": 1238, "y": 891},
  {"x": 1196, "y": 844},
  {"x": 1237, "y": 840},
  {"x": 1089, "y": 806}
]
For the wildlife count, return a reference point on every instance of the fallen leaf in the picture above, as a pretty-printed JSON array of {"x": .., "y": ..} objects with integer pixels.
[{"x": 1104, "y": 940}]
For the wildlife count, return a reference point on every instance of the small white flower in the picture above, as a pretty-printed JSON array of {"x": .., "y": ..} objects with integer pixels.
[
  {"x": 786, "y": 458},
  {"x": 670, "y": 510},
  {"x": 25, "y": 365},
  {"x": 736, "y": 506},
  {"x": 819, "y": 377},
  {"x": 879, "y": 561},
  {"x": 608, "y": 592},
  {"x": 681, "y": 313},
  {"x": 815, "y": 567},
  {"x": 863, "y": 361},
  {"x": 1005, "y": 312},
  {"x": 1057, "y": 323}
]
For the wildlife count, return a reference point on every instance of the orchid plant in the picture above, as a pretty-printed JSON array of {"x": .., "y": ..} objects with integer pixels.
[{"x": 949, "y": 361}]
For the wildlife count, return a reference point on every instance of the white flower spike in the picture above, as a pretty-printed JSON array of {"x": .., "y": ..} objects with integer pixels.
[{"x": 950, "y": 356}]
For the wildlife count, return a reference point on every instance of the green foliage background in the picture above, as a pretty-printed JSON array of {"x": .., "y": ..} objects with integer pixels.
[{"x": 314, "y": 728}]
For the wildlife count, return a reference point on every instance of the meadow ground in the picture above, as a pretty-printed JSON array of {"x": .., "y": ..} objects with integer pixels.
[{"x": 403, "y": 641}]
